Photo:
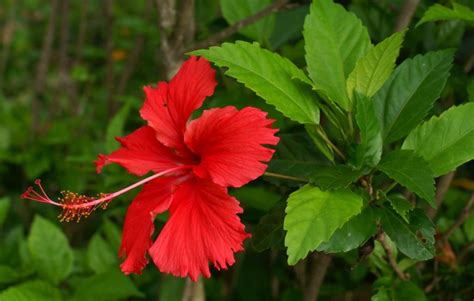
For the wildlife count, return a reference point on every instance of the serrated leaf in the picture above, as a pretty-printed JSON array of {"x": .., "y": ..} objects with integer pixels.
[
  {"x": 115, "y": 128},
  {"x": 110, "y": 285},
  {"x": 414, "y": 239},
  {"x": 269, "y": 75},
  {"x": 269, "y": 231},
  {"x": 335, "y": 177},
  {"x": 374, "y": 68},
  {"x": 100, "y": 256},
  {"x": 334, "y": 40},
  {"x": 447, "y": 141},
  {"x": 409, "y": 93},
  {"x": 369, "y": 150},
  {"x": 438, "y": 12},
  {"x": 313, "y": 215},
  {"x": 353, "y": 234},
  {"x": 410, "y": 170},
  {"x": 36, "y": 290},
  {"x": 401, "y": 205},
  {"x": 50, "y": 252},
  {"x": 236, "y": 10}
]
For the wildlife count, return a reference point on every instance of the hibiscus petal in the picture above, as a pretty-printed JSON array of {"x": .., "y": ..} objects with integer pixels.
[
  {"x": 168, "y": 107},
  {"x": 154, "y": 198},
  {"x": 230, "y": 144},
  {"x": 203, "y": 227},
  {"x": 140, "y": 153}
]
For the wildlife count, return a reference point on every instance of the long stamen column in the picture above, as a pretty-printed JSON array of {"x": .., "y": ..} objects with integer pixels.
[{"x": 75, "y": 206}]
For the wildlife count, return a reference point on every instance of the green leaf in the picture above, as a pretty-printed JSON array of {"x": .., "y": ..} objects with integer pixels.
[
  {"x": 313, "y": 215},
  {"x": 171, "y": 288},
  {"x": 4, "y": 206},
  {"x": 407, "y": 291},
  {"x": 447, "y": 141},
  {"x": 470, "y": 90},
  {"x": 115, "y": 128},
  {"x": 401, "y": 205},
  {"x": 36, "y": 290},
  {"x": 319, "y": 142},
  {"x": 334, "y": 177},
  {"x": 100, "y": 256},
  {"x": 408, "y": 95},
  {"x": 369, "y": 150},
  {"x": 111, "y": 285},
  {"x": 373, "y": 69},
  {"x": 8, "y": 275},
  {"x": 269, "y": 231},
  {"x": 381, "y": 295},
  {"x": 353, "y": 234},
  {"x": 269, "y": 75},
  {"x": 469, "y": 227},
  {"x": 50, "y": 252},
  {"x": 438, "y": 12},
  {"x": 288, "y": 25},
  {"x": 236, "y": 10},
  {"x": 334, "y": 40},
  {"x": 412, "y": 171},
  {"x": 414, "y": 239},
  {"x": 258, "y": 197},
  {"x": 112, "y": 234}
]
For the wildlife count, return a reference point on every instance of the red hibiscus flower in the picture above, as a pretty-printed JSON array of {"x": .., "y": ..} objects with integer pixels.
[{"x": 193, "y": 164}]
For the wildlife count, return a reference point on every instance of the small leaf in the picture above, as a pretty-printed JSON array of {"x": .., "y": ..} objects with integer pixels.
[
  {"x": 407, "y": 291},
  {"x": 334, "y": 177},
  {"x": 269, "y": 75},
  {"x": 447, "y": 141},
  {"x": 374, "y": 68},
  {"x": 401, "y": 205},
  {"x": 334, "y": 40},
  {"x": 313, "y": 215},
  {"x": 353, "y": 234},
  {"x": 369, "y": 150},
  {"x": 115, "y": 128},
  {"x": 269, "y": 231},
  {"x": 236, "y": 10},
  {"x": 100, "y": 256},
  {"x": 409, "y": 93},
  {"x": 36, "y": 290},
  {"x": 411, "y": 171},
  {"x": 50, "y": 252},
  {"x": 414, "y": 239},
  {"x": 438, "y": 12},
  {"x": 110, "y": 285}
]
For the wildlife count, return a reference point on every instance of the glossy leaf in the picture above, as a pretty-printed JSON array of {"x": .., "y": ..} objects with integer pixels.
[
  {"x": 236, "y": 10},
  {"x": 401, "y": 205},
  {"x": 369, "y": 150},
  {"x": 409, "y": 93},
  {"x": 414, "y": 239},
  {"x": 410, "y": 170},
  {"x": 447, "y": 141},
  {"x": 334, "y": 40},
  {"x": 353, "y": 234},
  {"x": 269, "y": 75},
  {"x": 374, "y": 68},
  {"x": 439, "y": 12},
  {"x": 49, "y": 249},
  {"x": 313, "y": 215}
]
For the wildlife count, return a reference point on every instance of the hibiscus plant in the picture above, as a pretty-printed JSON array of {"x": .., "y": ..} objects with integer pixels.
[{"x": 351, "y": 145}]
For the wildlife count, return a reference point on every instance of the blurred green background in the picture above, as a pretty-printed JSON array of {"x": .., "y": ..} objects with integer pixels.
[{"x": 71, "y": 78}]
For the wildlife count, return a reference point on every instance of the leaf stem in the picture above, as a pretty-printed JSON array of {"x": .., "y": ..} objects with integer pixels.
[
  {"x": 280, "y": 176},
  {"x": 390, "y": 187},
  {"x": 329, "y": 142}
]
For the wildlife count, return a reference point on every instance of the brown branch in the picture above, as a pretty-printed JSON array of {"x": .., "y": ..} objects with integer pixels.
[
  {"x": 109, "y": 47},
  {"x": 391, "y": 260},
  {"x": 441, "y": 188},
  {"x": 185, "y": 27},
  {"x": 406, "y": 14},
  {"x": 465, "y": 251},
  {"x": 194, "y": 291},
  {"x": 319, "y": 265},
  {"x": 216, "y": 38},
  {"x": 8, "y": 32},
  {"x": 465, "y": 213},
  {"x": 81, "y": 37},
  {"x": 43, "y": 65}
]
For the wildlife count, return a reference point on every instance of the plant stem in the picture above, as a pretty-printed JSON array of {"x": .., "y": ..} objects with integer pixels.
[
  {"x": 387, "y": 190},
  {"x": 280, "y": 176},
  {"x": 391, "y": 260},
  {"x": 329, "y": 142}
]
